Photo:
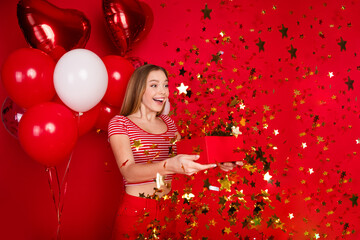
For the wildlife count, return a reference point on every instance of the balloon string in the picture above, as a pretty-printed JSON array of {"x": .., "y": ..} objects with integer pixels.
[
  {"x": 50, "y": 180},
  {"x": 56, "y": 200},
  {"x": 78, "y": 121},
  {"x": 62, "y": 193}
]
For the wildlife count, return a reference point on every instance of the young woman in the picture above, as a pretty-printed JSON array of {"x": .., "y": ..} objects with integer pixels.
[{"x": 143, "y": 143}]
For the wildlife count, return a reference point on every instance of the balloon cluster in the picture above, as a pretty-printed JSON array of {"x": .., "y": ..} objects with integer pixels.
[{"x": 58, "y": 90}]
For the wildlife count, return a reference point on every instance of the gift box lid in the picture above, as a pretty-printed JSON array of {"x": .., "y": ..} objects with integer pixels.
[{"x": 213, "y": 149}]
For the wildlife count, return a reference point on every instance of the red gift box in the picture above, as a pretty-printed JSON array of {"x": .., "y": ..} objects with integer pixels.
[{"x": 213, "y": 149}]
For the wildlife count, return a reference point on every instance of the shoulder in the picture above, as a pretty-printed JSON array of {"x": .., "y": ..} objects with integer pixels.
[
  {"x": 169, "y": 122},
  {"x": 118, "y": 125},
  {"x": 118, "y": 118},
  {"x": 167, "y": 119}
]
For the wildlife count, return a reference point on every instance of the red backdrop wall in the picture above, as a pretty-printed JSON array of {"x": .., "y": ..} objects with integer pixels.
[{"x": 94, "y": 182}]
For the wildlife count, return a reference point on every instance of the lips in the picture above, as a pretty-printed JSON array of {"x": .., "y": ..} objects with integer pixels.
[{"x": 160, "y": 100}]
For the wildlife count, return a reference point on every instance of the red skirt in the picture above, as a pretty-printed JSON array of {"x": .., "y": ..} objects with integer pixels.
[{"x": 144, "y": 218}]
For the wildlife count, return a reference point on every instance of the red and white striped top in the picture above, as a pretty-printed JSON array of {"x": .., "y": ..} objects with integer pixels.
[{"x": 146, "y": 147}]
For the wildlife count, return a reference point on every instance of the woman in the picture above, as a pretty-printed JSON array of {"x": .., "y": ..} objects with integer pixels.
[{"x": 143, "y": 143}]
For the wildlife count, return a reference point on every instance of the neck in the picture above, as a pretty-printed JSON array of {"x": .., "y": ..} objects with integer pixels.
[{"x": 145, "y": 114}]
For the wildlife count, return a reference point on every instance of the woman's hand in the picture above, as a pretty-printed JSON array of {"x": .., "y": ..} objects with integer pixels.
[
  {"x": 185, "y": 164},
  {"x": 228, "y": 166}
]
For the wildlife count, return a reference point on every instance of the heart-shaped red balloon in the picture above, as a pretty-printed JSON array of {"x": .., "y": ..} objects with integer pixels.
[
  {"x": 52, "y": 29},
  {"x": 127, "y": 21}
]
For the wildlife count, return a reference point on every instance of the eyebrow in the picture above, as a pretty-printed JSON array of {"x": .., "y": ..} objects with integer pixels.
[{"x": 155, "y": 80}]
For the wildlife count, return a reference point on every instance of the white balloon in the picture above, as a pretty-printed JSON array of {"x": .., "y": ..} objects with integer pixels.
[
  {"x": 166, "y": 108},
  {"x": 80, "y": 79}
]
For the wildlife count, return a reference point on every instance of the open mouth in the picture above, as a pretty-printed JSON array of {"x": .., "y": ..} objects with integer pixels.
[{"x": 160, "y": 100}]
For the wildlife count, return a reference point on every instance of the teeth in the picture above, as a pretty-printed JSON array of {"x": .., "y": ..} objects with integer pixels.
[{"x": 159, "y": 99}]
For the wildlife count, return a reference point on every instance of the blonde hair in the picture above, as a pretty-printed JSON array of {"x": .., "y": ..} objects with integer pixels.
[{"x": 136, "y": 88}]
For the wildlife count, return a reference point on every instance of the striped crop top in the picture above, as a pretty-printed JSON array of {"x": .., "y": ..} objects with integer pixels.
[{"x": 146, "y": 147}]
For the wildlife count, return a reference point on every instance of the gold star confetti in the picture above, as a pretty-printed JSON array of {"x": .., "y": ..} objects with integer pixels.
[
  {"x": 212, "y": 222},
  {"x": 225, "y": 184},
  {"x": 137, "y": 144},
  {"x": 276, "y": 132},
  {"x": 331, "y": 74},
  {"x": 243, "y": 122},
  {"x": 297, "y": 92},
  {"x": 303, "y": 145},
  {"x": 227, "y": 230},
  {"x": 291, "y": 215}
]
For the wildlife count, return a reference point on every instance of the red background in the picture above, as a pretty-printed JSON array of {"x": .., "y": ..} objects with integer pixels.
[{"x": 94, "y": 182}]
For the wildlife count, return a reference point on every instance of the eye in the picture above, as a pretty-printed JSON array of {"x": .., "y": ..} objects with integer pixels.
[
  {"x": 166, "y": 85},
  {"x": 153, "y": 85}
]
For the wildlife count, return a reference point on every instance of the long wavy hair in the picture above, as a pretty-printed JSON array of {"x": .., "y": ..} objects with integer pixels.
[{"x": 136, "y": 88}]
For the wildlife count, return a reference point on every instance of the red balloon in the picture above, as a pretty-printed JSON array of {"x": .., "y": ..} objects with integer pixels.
[
  {"x": 48, "y": 133},
  {"x": 149, "y": 21},
  {"x": 11, "y": 115},
  {"x": 85, "y": 120},
  {"x": 106, "y": 113},
  {"x": 27, "y": 76},
  {"x": 119, "y": 71},
  {"x": 127, "y": 21},
  {"x": 136, "y": 61},
  {"x": 52, "y": 29}
]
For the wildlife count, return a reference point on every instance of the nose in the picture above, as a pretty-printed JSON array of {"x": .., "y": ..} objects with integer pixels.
[{"x": 162, "y": 90}]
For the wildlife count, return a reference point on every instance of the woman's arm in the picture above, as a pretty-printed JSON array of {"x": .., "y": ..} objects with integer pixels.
[{"x": 132, "y": 172}]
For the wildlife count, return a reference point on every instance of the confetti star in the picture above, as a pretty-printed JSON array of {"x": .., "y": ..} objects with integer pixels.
[
  {"x": 358, "y": 141},
  {"x": 317, "y": 236},
  {"x": 182, "y": 88},
  {"x": 215, "y": 58},
  {"x": 159, "y": 181},
  {"x": 350, "y": 84},
  {"x": 235, "y": 131},
  {"x": 225, "y": 184},
  {"x": 303, "y": 145},
  {"x": 291, "y": 215},
  {"x": 260, "y": 44},
  {"x": 188, "y": 196},
  {"x": 137, "y": 144},
  {"x": 227, "y": 230},
  {"x": 242, "y": 106},
  {"x": 354, "y": 199},
  {"x": 342, "y": 44},
  {"x": 206, "y": 12},
  {"x": 283, "y": 31},
  {"x": 207, "y": 183},
  {"x": 212, "y": 222},
  {"x": 331, "y": 74},
  {"x": 277, "y": 183},
  {"x": 197, "y": 150},
  {"x": 292, "y": 52},
  {"x": 267, "y": 177},
  {"x": 311, "y": 171},
  {"x": 243, "y": 121},
  {"x": 276, "y": 132},
  {"x": 182, "y": 71}
]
